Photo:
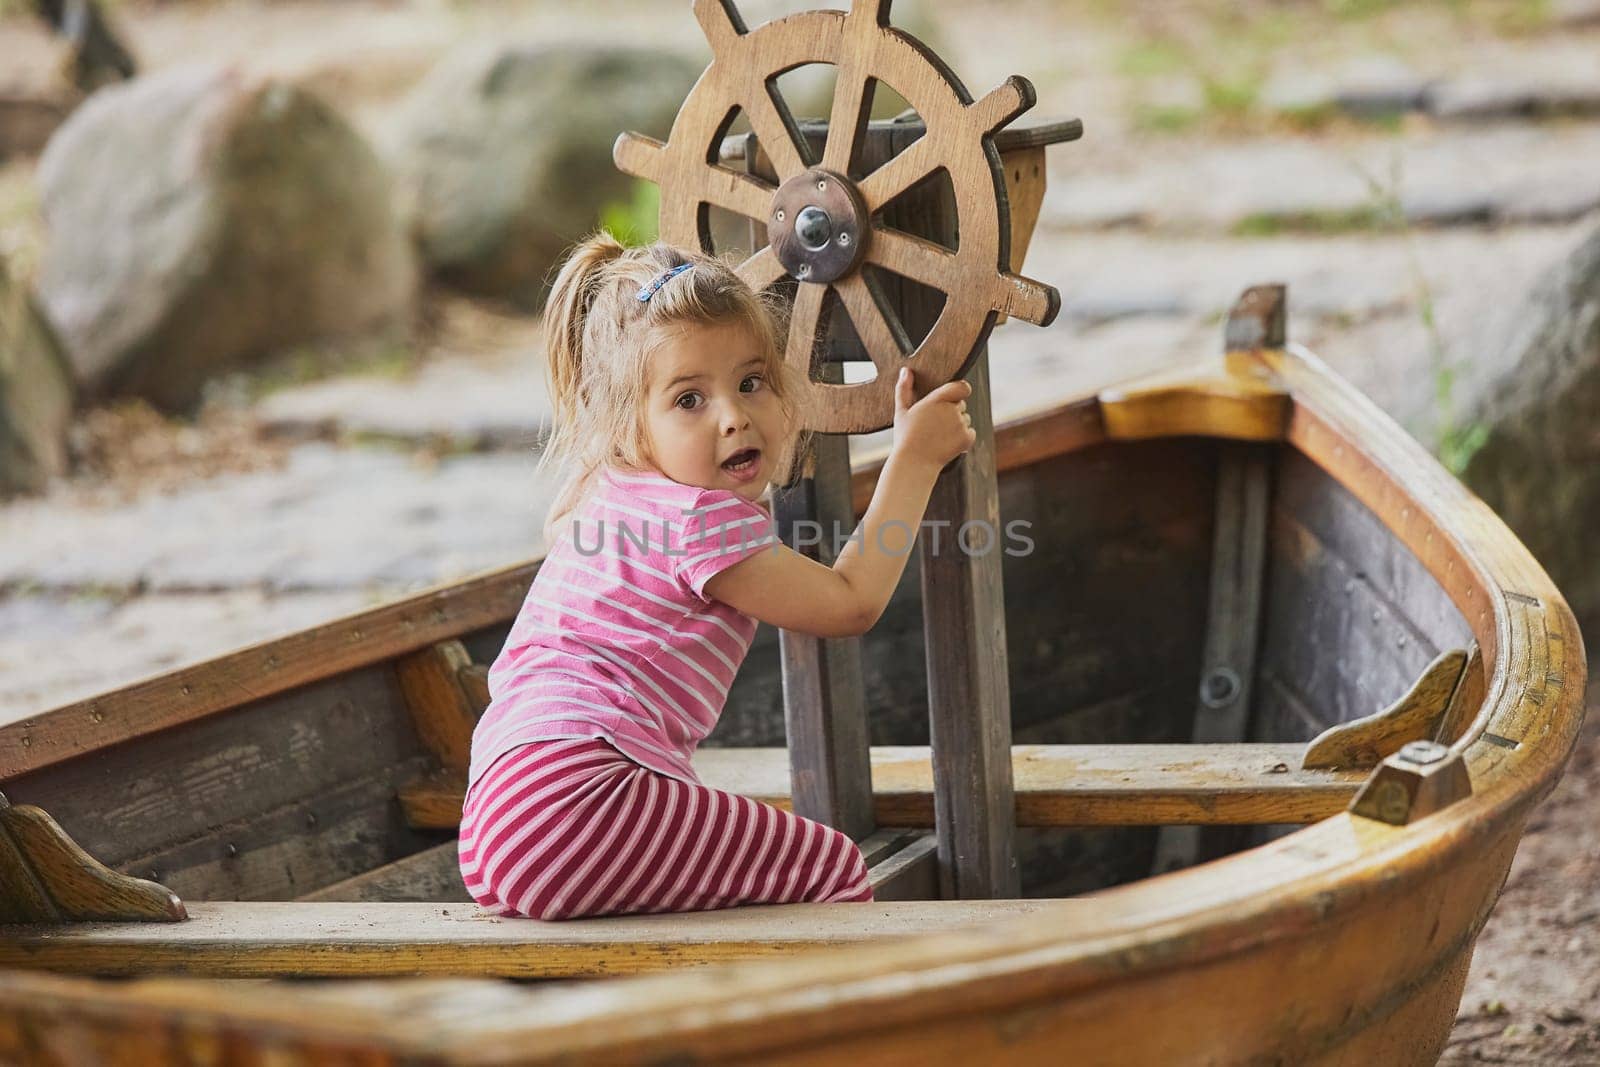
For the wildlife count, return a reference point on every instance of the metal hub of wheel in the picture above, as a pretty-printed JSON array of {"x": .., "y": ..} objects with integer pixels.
[{"x": 822, "y": 225}]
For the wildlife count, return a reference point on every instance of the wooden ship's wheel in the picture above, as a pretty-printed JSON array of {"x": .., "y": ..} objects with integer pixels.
[{"x": 822, "y": 217}]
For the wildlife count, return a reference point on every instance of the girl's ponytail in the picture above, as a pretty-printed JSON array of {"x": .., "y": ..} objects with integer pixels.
[
  {"x": 565, "y": 314},
  {"x": 566, "y": 318}
]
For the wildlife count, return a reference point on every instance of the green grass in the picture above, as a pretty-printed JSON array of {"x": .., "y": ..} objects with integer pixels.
[
  {"x": 1165, "y": 118},
  {"x": 1356, "y": 10},
  {"x": 1232, "y": 96},
  {"x": 1150, "y": 58},
  {"x": 1362, "y": 218}
]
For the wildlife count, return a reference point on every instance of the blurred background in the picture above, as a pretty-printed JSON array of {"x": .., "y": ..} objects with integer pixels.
[{"x": 271, "y": 272}]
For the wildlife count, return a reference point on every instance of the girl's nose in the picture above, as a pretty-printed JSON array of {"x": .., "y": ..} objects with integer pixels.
[{"x": 734, "y": 418}]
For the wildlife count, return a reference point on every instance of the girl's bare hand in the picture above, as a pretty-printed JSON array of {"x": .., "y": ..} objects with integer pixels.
[{"x": 935, "y": 429}]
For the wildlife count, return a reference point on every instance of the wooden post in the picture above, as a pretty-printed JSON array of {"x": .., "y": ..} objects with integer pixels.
[
  {"x": 1238, "y": 560},
  {"x": 969, "y": 694},
  {"x": 824, "y": 702},
  {"x": 964, "y": 620}
]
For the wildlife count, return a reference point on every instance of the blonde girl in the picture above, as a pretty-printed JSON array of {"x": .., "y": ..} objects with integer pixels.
[{"x": 674, "y": 414}]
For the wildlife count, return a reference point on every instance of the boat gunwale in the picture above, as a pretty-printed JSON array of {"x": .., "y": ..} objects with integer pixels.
[{"x": 1297, "y": 884}]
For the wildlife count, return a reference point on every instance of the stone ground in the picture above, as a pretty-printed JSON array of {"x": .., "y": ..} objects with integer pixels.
[{"x": 1406, "y": 168}]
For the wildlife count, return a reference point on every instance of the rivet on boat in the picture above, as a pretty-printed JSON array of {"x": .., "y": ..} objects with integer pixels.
[{"x": 1219, "y": 688}]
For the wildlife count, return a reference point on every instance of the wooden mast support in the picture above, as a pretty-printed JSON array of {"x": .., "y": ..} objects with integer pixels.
[
  {"x": 1238, "y": 561},
  {"x": 969, "y": 693},
  {"x": 824, "y": 701}
]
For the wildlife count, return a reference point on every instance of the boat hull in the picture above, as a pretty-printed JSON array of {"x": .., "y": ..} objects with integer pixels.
[{"x": 1346, "y": 941}]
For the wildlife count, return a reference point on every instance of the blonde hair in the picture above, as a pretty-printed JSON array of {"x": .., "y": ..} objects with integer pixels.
[{"x": 599, "y": 337}]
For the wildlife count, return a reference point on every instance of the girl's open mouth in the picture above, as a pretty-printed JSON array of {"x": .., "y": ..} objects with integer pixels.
[{"x": 743, "y": 464}]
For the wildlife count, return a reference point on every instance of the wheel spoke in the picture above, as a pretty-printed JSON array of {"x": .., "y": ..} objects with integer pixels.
[
  {"x": 920, "y": 260},
  {"x": 880, "y": 330},
  {"x": 738, "y": 193},
  {"x": 803, "y": 323},
  {"x": 762, "y": 269},
  {"x": 900, "y": 173},
  {"x": 776, "y": 131},
  {"x": 852, "y": 107}
]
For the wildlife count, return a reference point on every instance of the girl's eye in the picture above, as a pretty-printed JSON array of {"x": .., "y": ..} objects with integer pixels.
[
  {"x": 687, "y": 401},
  {"x": 753, "y": 381}
]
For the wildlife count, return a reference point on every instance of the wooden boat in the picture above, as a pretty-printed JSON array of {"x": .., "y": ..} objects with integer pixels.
[
  {"x": 1262, "y": 639},
  {"x": 295, "y": 769}
]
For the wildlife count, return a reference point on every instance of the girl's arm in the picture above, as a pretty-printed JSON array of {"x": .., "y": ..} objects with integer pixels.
[{"x": 791, "y": 591}]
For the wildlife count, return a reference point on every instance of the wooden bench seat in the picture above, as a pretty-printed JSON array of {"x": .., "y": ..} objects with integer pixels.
[
  {"x": 1056, "y": 785},
  {"x": 283, "y": 939}
]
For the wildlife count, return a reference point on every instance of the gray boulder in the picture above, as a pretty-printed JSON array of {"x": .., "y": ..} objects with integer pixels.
[
  {"x": 35, "y": 393},
  {"x": 504, "y": 152},
  {"x": 1539, "y": 421},
  {"x": 200, "y": 218}
]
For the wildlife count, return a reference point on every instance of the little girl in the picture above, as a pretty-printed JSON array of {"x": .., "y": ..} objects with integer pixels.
[{"x": 674, "y": 411}]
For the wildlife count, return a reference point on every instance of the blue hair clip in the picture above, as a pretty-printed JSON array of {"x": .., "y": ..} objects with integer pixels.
[{"x": 661, "y": 279}]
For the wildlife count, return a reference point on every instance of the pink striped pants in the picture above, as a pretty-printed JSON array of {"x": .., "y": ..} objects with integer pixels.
[{"x": 566, "y": 828}]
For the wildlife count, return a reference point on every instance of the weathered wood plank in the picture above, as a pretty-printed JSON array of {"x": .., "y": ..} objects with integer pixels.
[
  {"x": 434, "y": 874},
  {"x": 282, "y": 853},
  {"x": 277, "y": 939},
  {"x": 1056, "y": 785},
  {"x": 910, "y": 874},
  {"x": 274, "y": 798},
  {"x": 1352, "y": 618}
]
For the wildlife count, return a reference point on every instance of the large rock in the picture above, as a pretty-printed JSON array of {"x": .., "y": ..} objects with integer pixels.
[
  {"x": 200, "y": 218},
  {"x": 505, "y": 152},
  {"x": 35, "y": 393},
  {"x": 1539, "y": 420}
]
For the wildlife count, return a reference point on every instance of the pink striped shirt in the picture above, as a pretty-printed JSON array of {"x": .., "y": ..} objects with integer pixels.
[{"x": 616, "y": 638}]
